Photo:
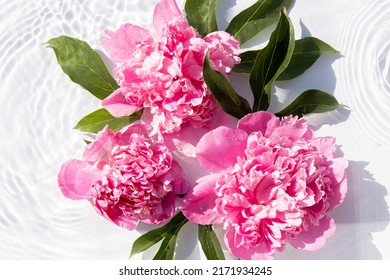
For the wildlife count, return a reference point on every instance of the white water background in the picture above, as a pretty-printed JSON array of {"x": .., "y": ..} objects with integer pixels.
[{"x": 39, "y": 105}]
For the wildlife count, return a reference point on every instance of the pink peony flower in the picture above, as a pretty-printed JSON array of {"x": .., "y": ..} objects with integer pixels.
[
  {"x": 162, "y": 71},
  {"x": 127, "y": 176},
  {"x": 222, "y": 45},
  {"x": 272, "y": 183}
]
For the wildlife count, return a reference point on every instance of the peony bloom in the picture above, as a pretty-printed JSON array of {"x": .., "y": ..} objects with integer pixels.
[
  {"x": 162, "y": 71},
  {"x": 272, "y": 183},
  {"x": 127, "y": 176}
]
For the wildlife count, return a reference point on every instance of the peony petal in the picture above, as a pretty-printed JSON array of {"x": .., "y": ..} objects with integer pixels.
[
  {"x": 259, "y": 252},
  {"x": 290, "y": 127},
  {"x": 168, "y": 207},
  {"x": 181, "y": 186},
  {"x": 340, "y": 186},
  {"x": 315, "y": 237},
  {"x": 224, "y": 50},
  {"x": 165, "y": 12},
  {"x": 128, "y": 131},
  {"x": 121, "y": 43},
  {"x": 116, "y": 216},
  {"x": 100, "y": 149},
  {"x": 117, "y": 104},
  {"x": 219, "y": 148},
  {"x": 257, "y": 121},
  {"x": 76, "y": 178},
  {"x": 199, "y": 203},
  {"x": 325, "y": 145},
  {"x": 184, "y": 141}
]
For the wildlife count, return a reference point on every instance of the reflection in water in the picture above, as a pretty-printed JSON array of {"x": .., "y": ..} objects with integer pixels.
[{"x": 364, "y": 76}]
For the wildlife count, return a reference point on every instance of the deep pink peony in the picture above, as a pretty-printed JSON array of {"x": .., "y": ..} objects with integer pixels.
[
  {"x": 272, "y": 183},
  {"x": 162, "y": 71},
  {"x": 128, "y": 177}
]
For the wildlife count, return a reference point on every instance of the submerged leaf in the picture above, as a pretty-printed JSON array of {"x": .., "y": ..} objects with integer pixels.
[
  {"x": 310, "y": 101},
  {"x": 306, "y": 53},
  {"x": 201, "y": 15},
  {"x": 210, "y": 243},
  {"x": 223, "y": 91},
  {"x": 97, "y": 120},
  {"x": 256, "y": 18},
  {"x": 271, "y": 62},
  {"x": 83, "y": 65}
]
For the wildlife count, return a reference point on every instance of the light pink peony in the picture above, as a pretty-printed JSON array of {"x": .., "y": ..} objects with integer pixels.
[
  {"x": 127, "y": 176},
  {"x": 162, "y": 71},
  {"x": 272, "y": 183}
]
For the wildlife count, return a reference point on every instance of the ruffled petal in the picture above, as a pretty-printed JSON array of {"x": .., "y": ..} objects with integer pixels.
[
  {"x": 260, "y": 252},
  {"x": 199, "y": 203},
  {"x": 325, "y": 145},
  {"x": 339, "y": 165},
  {"x": 120, "y": 44},
  {"x": 256, "y": 122},
  {"x": 117, "y": 216},
  {"x": 76, "y": 178},
  {"x": 100, "y": 149},
  {"x": 315, "y": 236},
  {"x": 219, "y": 148},
  {"x": 118, "y": 106},
  {"x": 135, "y": 128},
  {"x": 165, "y": 12}
]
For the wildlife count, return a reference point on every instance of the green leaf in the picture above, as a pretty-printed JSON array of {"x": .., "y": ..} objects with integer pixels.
[
  {"x": 271, "y": 62},
  {"x": 201, "y": 15},
  {"x": 306, "y": 53},
  {"x": 256, "y": 18},
  {"x": 83, "y": 65},
  {"x": 248, "y": 59},
  {"x": 167, "y": 248},
  {"x": 146, "y": 241},
  {"x": 231, "y": 102},
  {"x": 165, "y": 232},
  {"x": 310, "y": 101},
  {"x": 210, "y": 243},
  {"x": 97, "y": 120}
]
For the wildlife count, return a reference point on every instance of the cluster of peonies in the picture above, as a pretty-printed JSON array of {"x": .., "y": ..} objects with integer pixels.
[
  {"x": 161, "y": 72},
  {"x": 270, "y": 182}
]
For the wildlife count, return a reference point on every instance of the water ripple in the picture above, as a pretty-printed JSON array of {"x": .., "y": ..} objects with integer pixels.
[
  {"x": 39, "y": 106},
  {"x": 365, "y": 74}
]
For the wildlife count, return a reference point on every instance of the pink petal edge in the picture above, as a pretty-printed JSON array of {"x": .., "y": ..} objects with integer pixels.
[
  {"x": 117, "y": 104},
  {"x": 315, "y": 237},
  {"x": 121, "y": 43},
  {"x": 219, "y": 148},
  {"x": 256, "y": 122},
  {"x": 259, "y": 252},
  {"x": 165, "y": 11},
  {"x": 199, "y": 203},
  {"x": 76, "y": 178}
]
